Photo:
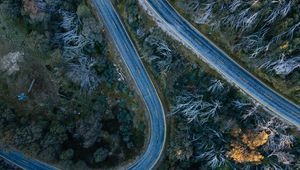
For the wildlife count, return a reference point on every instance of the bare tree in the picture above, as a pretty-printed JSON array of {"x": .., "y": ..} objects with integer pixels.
[
  {"x": 73, "y": 42},
  {"x": 194, "y": 107},
  {"x": 83, "y": 72},
  {"x": 215, "y": 157},
  {"x": 252, "y": 111},
  {"x": 290, "y": 32},
  {"x": 253, "y": 43},
  {"x": 283, "y": 157},
  {"x": 216, "y": 86},
  {"x": 286, "y": 141},
  {"x": 272, "y": 165},
  {"x": 240, "y": 104},
  {"x": 211, "y": 148},
  {"x": 282, "y": 66},
  {"x": 162, "y": 56},
  {"x": 280, "y": 10},
  {"x": 278, "y": 139},
  {"x": 235, "y": 5},
  {"x": 204, "y": 15},
  {"x": 243, "y": 17}
]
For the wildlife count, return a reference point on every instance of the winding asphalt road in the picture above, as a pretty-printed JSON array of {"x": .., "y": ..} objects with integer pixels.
[
  {"x": 216, "y": 58},
  {"x": 143, "y": 82},
  {"x": 210, "y": 53},
  {"x": 22, "y": 162},
  {"x": 145, "y": 86}
]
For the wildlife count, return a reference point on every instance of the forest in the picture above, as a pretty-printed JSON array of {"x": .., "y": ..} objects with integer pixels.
[
  {"x": 261, "y": 35},
  {"x": 62, "y": 98},
  {"x": 65, "y": 100},
  {"x": 212, "y": 124}
]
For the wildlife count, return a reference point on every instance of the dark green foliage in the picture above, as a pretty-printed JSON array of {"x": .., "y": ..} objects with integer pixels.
[
  {"x": 125, "y": 119},
  {"x": 133, "y": 18},
  {"x": 78, "y": 115},
  {"x": 67, "y": 155},
  {"x": 100, "y": 155},
  {"x": 11, "y": 7}
]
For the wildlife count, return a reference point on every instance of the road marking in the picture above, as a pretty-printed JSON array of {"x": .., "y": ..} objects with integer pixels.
[
  {"x": 148, "y": 91},
  {"x": 221, "y": 60},
  {"x": 242, "y": 78},
  {"x": 139, "y": 71},
  {"x": 126, "y": 48},
  {"x": 269, "y": 97},
  {"x": 198, "y": 41},
  {"x": 115, "y": 25}
]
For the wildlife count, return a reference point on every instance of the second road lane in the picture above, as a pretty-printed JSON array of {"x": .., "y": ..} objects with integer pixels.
[{"x": 216, "y": 58}]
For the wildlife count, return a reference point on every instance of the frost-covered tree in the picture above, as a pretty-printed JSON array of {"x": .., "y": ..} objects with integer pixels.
[
  {"x": 75, "y": 42},
  {"x": 279, "y": 139},
  {"x": 204, "y": 14},
  {"x": 253, "y": 111},
  {"x": 71, "y": 38},
  {"x": 216, "y": 86},
  {"x": 252, "y": 21},
  {"x": 283, "y": 157},
  {"x": 161, "y": 54},
  {"x": 209, "y": 147},
  {"x": 283, "y": 66},
  {"x": 215, "y": 157},
  {"x": 240, "y": 104},
  {"x": 195, "y": 108},
  {"x": 83, "y": 72}
]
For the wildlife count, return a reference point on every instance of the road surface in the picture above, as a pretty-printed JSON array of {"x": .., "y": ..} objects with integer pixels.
[
  {"x": 181, "y": 29},
  {"x": 142, "y": 80},
  {"x": 144, "y": 85},
  {"x": 25, "y": 163}
]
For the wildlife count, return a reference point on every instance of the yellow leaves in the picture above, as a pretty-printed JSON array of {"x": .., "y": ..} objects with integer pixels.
[
  {"x": 254, "y": 157},
  {"x": 284, "y": 46},
  {"x": 255, "y": 140},
  {"x": 237, "y": 153},
  {"x": 241, "y": 155},
  {"x": 245, "y": 151}
]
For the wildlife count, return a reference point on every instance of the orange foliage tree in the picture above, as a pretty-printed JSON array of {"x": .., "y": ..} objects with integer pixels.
[{"x": 245, "y": 151}]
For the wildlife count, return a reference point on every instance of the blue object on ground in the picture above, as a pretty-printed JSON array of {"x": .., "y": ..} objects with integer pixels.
[{"x": 22, "y": 97}]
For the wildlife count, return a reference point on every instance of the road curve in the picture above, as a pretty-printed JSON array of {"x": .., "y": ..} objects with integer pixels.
[
  {"x": 217, "y": 59},
  {"x": 22, "y": 162},
  {"x": 143, "y": 83}
]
